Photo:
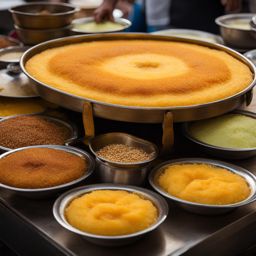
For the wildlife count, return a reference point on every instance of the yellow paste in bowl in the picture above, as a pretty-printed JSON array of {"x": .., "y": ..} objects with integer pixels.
[
  {"x": 228, "y": 131},
  {"x": 203, "y": 183},
  {"x": 92, "y": 26},
  {"x": 111, "y": 213},
  {"x": 239, "y": 24},
  {"x": 11, "y": 107}
]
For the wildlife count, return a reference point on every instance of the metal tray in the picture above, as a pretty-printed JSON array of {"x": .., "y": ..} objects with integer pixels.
[{"x": 131, "y": 113}]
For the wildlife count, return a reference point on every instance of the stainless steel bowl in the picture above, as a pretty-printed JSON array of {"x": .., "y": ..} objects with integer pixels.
[
  {"x": 198, "y": 208},
  {"x": 36, "y": 36},
  {"x": 191, "y": 33},
  {"x": 62, "y": 202},
  {"x": 5, "y": 62},
  {"x": 71, "y": 127},
  {"x": 41, "y": 15},
  {"x": 222, "y": 152},
  {"x": 51, "y": 191},
  {"x": 136, "y": 113},
  {"x": 253, "y": 25},
  {"x": 122, "y": 173},
  {"x": 251, "y": 55},
  {"x": 236, "y": 37},
  {"x": 124, "y": 22}
]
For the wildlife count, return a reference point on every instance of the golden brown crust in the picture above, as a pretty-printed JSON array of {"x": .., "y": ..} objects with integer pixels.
[
  {"x": 40, "y": 168},
  {"x": 124, "y": 72}
]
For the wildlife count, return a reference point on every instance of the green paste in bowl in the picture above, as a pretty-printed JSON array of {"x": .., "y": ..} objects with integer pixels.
[{"x": 227, "y": 131}]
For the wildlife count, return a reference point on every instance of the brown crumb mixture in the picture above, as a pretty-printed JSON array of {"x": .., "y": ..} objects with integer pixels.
[
  {"x": 123, "y": 153},
  {"x": 5, "y": 42},
  {"x": 25, "y": 131}
]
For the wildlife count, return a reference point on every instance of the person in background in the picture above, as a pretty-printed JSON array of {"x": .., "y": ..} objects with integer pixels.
[{"x": 190, "y": 14}]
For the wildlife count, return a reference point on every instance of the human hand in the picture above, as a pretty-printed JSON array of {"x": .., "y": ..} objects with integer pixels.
[
  {"x": 125, "y": 6},
  {"x": 232, "y": 5},
  {"x": 105, "y": 10}
]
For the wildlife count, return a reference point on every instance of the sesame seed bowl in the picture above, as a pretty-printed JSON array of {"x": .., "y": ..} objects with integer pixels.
[
  {"x": 7, "y": 139},
  {"x": 122, "y": 158}
]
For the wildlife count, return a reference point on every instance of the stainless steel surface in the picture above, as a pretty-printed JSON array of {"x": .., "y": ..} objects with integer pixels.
[
  {"x": 191, "y": 33},
  {"x": 124, "y": 22},
  {"x": 29, "y": 15},
  {"x": 251, "y": 55},
  {"x": 62, "y": 202},
  {"x": 182, "y": 233},
  {"x": 36, "y": 36},
  {"x": 16, "y": 85},
  {"x": 50, "y": 191},
  {"x": 199, "y": 208},
  {"x": 71, "y": 127},
  {"x": 227, "y": 153},
  {"x": 122, "y": 173},
  {"x": 236, "y": 37},
  {"x": 129, "y": 113}
]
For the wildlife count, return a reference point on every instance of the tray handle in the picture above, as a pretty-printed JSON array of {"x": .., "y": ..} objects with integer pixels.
[
  {"x": 168, "y": 134},
  {"x": 88, "y": 122}
]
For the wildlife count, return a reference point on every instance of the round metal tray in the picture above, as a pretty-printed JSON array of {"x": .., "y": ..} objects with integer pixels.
[{"x": 132, "y": 113}]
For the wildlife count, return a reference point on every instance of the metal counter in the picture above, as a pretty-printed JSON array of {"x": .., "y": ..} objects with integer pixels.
[{"x": 29, "y": 228}]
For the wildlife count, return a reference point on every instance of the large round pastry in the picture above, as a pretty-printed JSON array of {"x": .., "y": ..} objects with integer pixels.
[{"x": 141, "y": 73}]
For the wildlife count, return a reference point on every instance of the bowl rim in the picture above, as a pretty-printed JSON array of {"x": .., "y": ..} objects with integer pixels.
[
  {"x": 220, "y": 20},
  {"x": 248, "y": 176},
  {"x": 69, "y": 149},
  {"x": 122, "y": 21},
  {"x": 74, "y": 9},
  {"x": 124, "y": 164},
  {"x": 185, "y": 130},
  {"x": 41, "y": 31},
  {"x": 71, "y": 126},
  {"x": 63, "y": 200},
  {"x": 202, "y": 35}
]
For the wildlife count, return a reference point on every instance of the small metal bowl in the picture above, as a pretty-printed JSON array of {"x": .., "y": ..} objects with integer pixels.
[
  {"x": 41, "y": 15},
  {"x": 51, "y": 191},
  {"x": 4, "y": 62},
  {"x": 191, "y": 33},
  {"x": 124, "y": 22},
  {"x": 36, "y": 36},
  {"x": 71, "y": 127},
  {"x": 122, "y": 173},
  {"x": 204, "y": 209},
  {"x": 236, "y": 37},
  {"x": 251, "y": 55},
  {"x": 62, "y": 202},
  {"x": 222, "y": 152}
]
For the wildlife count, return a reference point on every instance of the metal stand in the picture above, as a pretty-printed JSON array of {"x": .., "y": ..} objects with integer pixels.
[
  {"x": 168, "y": 134},
  {"x": 88, "y": 122}
]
